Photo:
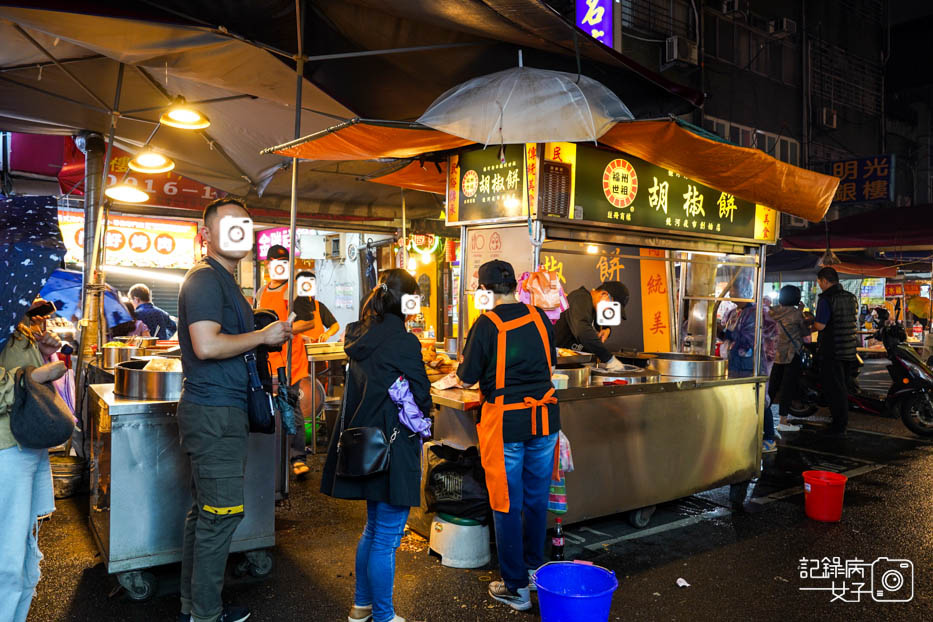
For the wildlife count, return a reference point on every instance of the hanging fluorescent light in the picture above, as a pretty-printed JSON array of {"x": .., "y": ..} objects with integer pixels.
[
  {"x": 151, "y": 162},
  {"x": 184, "y": 117},
  {"x": 125, "y": 193}
]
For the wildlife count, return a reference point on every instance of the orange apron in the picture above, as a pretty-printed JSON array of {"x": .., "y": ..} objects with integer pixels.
[
  {"x": 275, "y": 301},
  {"x": 489, "y": 429}
]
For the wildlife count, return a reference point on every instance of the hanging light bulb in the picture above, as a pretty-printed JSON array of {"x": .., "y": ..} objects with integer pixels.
[
  {"x": 412, "y": 265},
  {"x": 125, "y": 193},
  {"x": 425, "y": 258},
  {"x": 151, "y": 162},
  {"x": 184, "y": 117}
]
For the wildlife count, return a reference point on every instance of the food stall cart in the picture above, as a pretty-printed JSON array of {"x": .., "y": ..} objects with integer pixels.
[
  {"x": 680, "y": 426},
  {"x": 141, "y": 478},
  {"x": 661, "y": 195}
]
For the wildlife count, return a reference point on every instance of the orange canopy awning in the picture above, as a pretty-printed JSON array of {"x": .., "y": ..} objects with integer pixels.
[
  {"x": 749, "y": 174},
  {"x": 423, "y": 176}
]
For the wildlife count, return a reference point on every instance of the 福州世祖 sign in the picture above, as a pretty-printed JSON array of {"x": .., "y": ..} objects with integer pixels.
[
  {"x": 620, "y": 189},
  {"x": 134, "y": 241}
]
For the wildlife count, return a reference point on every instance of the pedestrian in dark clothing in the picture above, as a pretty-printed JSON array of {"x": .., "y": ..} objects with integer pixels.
[
  {"x": 510, "y": 351},
  {"x": 785, "y": 374},
  {"x": 212, "y": 419},
  {"x": 837, "y": 321},
  {"x": 160, "y": 323},
  {"x": 381, "y": 350}
]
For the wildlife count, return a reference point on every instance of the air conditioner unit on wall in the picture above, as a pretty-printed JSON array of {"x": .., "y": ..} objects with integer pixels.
[
  {"x": 782, "y": 27},
  {"x": 680, "y": 50},
  {"x": 828, "y": 117}
]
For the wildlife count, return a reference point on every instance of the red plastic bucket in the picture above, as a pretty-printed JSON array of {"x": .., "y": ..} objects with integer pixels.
[{"x": 823, "y": 492}]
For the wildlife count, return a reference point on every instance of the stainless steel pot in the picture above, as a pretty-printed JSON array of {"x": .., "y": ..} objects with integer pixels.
[
  {"x": 688, "y": 365},
  {"x": 144, "y": 342},
  {"x": 132, "y": 381},
  {"x": 111, "y": 355},
  {"x": 576, "y": 376}
]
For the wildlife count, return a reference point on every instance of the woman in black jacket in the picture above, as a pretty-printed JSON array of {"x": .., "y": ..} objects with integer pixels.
[{"x": 380, "y": 350}]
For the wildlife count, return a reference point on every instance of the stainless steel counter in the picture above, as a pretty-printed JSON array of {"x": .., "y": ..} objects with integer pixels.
[
  {"x": 140, "y": 489},
  {"x": 638, "y": 445}
]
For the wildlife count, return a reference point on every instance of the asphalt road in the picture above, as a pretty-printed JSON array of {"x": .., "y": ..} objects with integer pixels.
[{"x": 739, "y": 565}]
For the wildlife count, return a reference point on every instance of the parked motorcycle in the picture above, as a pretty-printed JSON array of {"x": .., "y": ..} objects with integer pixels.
[{"x": 908, "y": 397}]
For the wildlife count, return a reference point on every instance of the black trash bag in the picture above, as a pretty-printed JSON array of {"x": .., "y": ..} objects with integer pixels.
[{"x": 456, "y": 483}]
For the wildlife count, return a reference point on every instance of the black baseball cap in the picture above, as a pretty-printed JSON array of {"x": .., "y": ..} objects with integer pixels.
[
  {"x": 277, "y": 251},
  {"x": 495, "y": 272},
  {"x": 618, "y": 291}
]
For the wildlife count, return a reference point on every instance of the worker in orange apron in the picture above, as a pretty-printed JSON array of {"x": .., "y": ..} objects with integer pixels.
[
  {"x": 313, "y": 322},
  {"x": 510, "y": 351}
]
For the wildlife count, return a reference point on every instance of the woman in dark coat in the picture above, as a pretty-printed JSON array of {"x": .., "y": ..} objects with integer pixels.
[{"x": 380, "y": 350}]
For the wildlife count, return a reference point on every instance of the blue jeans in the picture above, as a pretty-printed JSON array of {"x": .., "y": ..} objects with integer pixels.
[
  {"x": 521, "y": 532},
  {"x": 25, "y": 494},
  {"x": 375, "y": 558}
]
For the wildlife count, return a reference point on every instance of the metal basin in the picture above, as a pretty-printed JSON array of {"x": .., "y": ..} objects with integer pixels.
[
  {"x": 632, "y": 374},
  {"x": 130, "y": 380},
  {"x": 688, "y": 365},
  {"x": 576, "y": 376},
  {"x": 111, "y": 355},
  {"x": 144, "y": 342}
]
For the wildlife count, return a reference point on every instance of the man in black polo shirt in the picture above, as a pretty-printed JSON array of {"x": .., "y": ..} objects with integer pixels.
[{"x": 212, "y": 419}]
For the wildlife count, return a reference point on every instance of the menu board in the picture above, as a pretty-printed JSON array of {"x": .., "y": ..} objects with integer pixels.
[
  {"x": 483, "y": 188},
  {"x": 620, "y": 189},
  {"x": 511, "y": 244}
]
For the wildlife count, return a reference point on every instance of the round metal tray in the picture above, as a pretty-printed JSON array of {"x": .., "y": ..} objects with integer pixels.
[
  {"x": 132, "y": 381},
  {"x": 688, "y": 365},
  {"x": 632, "y": 375}
]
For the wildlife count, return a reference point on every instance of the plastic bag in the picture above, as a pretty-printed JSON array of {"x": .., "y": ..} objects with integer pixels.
[
  {"x": 566, "y": 456},
  {"x": 557, "y": 496},
  {"x": 545, "y": 289},
  {"x": 455, "y": 483}
]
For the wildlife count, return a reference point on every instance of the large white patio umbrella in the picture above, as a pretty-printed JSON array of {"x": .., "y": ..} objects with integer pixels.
[{"x": 523, "y": 104}]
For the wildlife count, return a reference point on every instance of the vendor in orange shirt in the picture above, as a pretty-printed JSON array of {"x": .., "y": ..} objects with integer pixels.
[{"x": 313, "y": 322}]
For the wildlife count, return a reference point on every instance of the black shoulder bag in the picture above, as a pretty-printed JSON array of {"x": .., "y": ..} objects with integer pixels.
[
  {"x": 258, "y": 401},
  {"x": 806, "y": 358},
  {"x": 364, "y": 451}
]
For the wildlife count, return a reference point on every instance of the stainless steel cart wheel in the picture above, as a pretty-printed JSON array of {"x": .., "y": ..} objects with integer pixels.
[
  {"x": 641, "y": 517},
  {"x": 260, "y": 563},
  {"x": 139, "y": 584}
]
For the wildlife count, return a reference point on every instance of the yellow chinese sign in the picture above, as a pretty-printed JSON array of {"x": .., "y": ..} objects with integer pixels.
[
  {"x": 655, "y": 310},
  {"x": 766, "y": 224}
]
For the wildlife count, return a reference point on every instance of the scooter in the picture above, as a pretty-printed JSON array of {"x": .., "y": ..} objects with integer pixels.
[{"x": 910, "y": 395}]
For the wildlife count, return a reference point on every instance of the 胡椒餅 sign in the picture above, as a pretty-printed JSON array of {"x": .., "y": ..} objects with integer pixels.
[
  {"x": 482, "y": 187},
  {"x": 863, "y": 180},
  {"x": 620, "y": 189}
]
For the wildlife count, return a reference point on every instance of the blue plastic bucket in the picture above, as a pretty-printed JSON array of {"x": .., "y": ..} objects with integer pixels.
[{"x": 574, "y": 592}]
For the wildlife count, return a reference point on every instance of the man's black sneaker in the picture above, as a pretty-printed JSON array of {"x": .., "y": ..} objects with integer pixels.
[
  {"x": 520, "y": 600},
  {"x": 234, "y": 614}
]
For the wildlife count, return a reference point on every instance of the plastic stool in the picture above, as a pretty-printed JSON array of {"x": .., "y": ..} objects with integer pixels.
[{"x": 460, "y": 542}]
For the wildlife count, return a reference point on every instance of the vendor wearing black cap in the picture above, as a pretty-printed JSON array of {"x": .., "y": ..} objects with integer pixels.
[
  {"x": 576, "y": 327},
  {"x": 510, "y": 351}
]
